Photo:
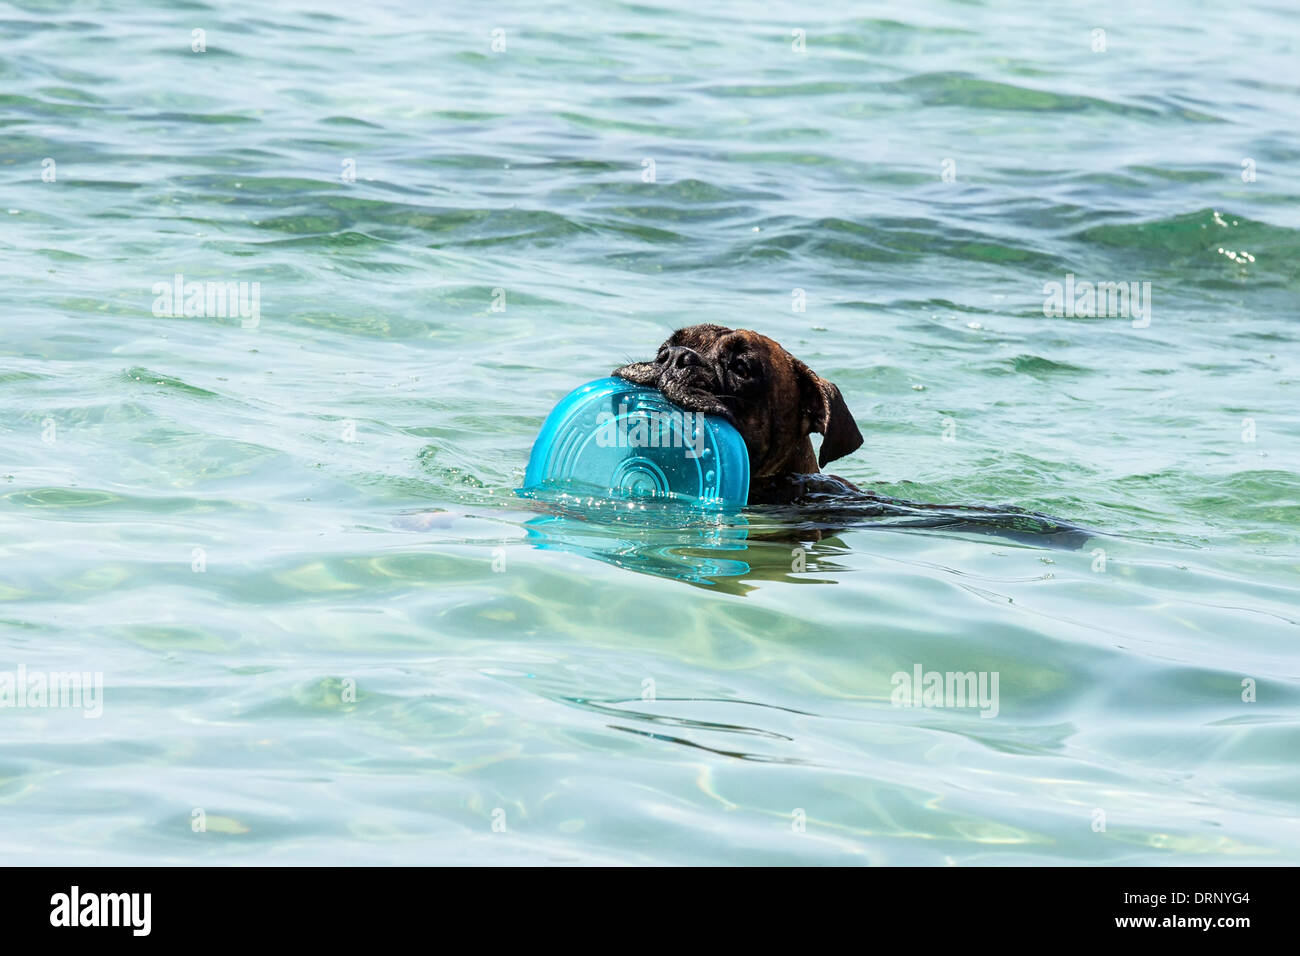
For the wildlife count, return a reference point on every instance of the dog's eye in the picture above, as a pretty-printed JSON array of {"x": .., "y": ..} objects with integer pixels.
[{"x": 741, "y": 368}]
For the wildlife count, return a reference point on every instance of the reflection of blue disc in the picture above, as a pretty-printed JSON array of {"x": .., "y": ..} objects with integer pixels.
[
  {"x": 610, "y": 438},
  {"x": 704, "y": 548}
]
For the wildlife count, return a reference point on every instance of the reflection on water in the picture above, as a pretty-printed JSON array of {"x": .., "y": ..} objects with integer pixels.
[
  {"x": 714, "y": 736},
  {"x": 664, "y": 539}
]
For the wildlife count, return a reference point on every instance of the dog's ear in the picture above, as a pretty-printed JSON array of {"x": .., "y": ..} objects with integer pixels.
[
  {"x": 639, "y": 373},
  {"x": 827, "y": 415}
]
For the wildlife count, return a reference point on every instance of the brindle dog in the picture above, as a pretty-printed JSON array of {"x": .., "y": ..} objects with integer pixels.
[{"x": 777, "y": 402}]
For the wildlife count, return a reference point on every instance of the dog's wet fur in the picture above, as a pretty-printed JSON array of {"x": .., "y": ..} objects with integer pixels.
[{"x": 776, "y": 402}]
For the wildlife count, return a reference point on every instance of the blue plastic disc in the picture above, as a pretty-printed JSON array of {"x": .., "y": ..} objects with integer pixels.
[{"x": 610, "y": 438}]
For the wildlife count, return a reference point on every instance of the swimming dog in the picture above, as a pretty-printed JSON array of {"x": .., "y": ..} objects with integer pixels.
[{"x": 776, "y": 403}]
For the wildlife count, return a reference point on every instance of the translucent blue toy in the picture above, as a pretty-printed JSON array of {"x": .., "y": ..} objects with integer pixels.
[{"x": 612, "y": 439}]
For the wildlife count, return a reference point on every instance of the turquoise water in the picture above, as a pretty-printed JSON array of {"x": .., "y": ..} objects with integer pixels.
[{"x": 329, "y": 632}]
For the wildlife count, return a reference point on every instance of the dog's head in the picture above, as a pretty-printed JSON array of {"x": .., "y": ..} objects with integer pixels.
[{"x": 772, "y": 398}]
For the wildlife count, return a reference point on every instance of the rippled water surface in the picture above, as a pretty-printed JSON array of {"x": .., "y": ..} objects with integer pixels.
[{"x": 327, "y": 628}]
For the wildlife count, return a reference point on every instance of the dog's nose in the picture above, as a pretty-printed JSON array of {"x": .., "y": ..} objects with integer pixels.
[{"x": 679, "y": 357}]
